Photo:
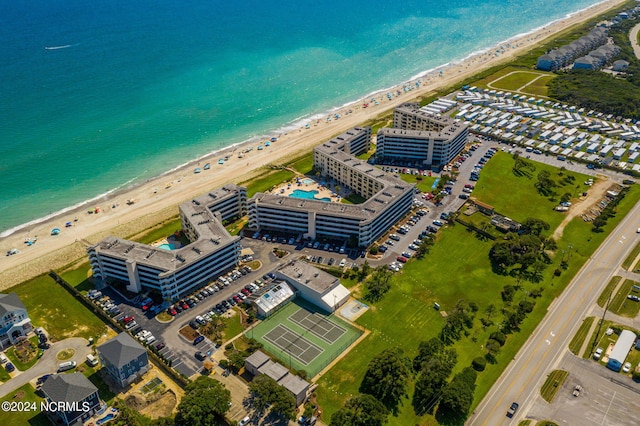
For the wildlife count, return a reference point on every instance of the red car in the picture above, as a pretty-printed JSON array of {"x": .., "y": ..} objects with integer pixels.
[
  {"x": 172, "y": 312},
  {"x": 237, "y": 299},
  {"x": 402, "y": 259},
  {"x": 147, "y": 306},
  {"x": 245, "y": 292},
  {"x": 128, "y": 319}
]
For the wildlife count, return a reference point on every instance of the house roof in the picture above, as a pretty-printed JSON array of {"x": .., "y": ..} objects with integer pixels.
[
  {"x": 68, "y": 387},
  {"x": 9, "y": 303},
  {"x": 121, "y": 350},
  {"x": 294, "y": 384}
]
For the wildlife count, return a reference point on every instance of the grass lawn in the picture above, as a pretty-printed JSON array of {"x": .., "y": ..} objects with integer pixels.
[
  {"x": 236, "y": 226},
  {"x": 267, "y": 181},
  {"x": 523, "y": 200},
  {"x": 604, "y": 296},
  {"x": 515, "y": 80},
  {"x": 79, "y": 276},
  {"x": 24, "y": 394},
  {"x": 621, "y": 305},
  {"x": 303, "y": 165},
  {"x": 502, "y": 73},
  {"x": 353, "y": 198},
  {"x": 52, "y": 307},
  {"x": 162, "y": 230},
  {"x": 405, "y": 316},
  {"x": 103, "y": 389},
  {"x": 581, "y": 335},
  {"x": 424, "y": 184},
  {"x": 552, "y": 385},
  {"x": 628, "y": 262},
  {"x": 4, "y": 376},
  {"x": 539, "y": 86},
  {"x": 233, "y": 326},
  {"x": 599, "y": 339},
  {"x": 24, "y": 366}
]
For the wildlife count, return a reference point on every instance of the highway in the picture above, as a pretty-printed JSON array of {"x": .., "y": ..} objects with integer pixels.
[{"x": 524, "y": 376}]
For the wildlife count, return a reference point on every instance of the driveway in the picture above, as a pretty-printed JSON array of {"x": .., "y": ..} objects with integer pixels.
[{"x": 48, "y": 363}]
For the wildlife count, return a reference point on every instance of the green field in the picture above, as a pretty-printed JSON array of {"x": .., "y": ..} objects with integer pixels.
[
  {"x": 303, "y": 165},
  {"x": 329, "y": 350},
  {"x": 499, "y": 174},
  {"x": 604, "y": 296},
  {"x": 540, "y": 87},
  {"x": 233, "y": 326},
  {"x": 24, "y": 394},
  {"x": 423, "y": 183},
  {"x": 52, "y": 307},
  {"x": 552, "y": 385},
  {"x": 581, "y": 335},
  {"x": 518, "y": 79},
  {"x": 621, "y": 305},
  {"x": 405, "y": 316}
]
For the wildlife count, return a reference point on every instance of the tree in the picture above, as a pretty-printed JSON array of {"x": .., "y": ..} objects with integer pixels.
[
  {"x": 361, "y": 410},
  {"x": 545, "y": 185},
  {"x": 457, "y": 396},
  {"x": 264, "y": 392},
  {"x": 432, "y": 379},
  {"x": 387, "y": 377},
  {"x": 204, "y": 403},
  {"x": 479, "y": 363},
  {"x": 378, "y": 285},
  {"x": 374, "y": 250},
  {"x": 534, "y": 226},
  {"x": 426, "y": 350}
]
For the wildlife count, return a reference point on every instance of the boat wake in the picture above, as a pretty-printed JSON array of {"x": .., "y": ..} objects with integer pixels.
[{"x": 58, "y": 47}]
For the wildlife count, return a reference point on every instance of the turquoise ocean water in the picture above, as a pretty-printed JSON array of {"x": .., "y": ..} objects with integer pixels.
[{"x": 128, "y": 90}]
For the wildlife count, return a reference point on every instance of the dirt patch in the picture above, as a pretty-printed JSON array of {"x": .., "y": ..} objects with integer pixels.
[
  {"x": 162, "y": 407},
  {"x": 189, "y": 332},
  {"x": 594, "y": 194}
]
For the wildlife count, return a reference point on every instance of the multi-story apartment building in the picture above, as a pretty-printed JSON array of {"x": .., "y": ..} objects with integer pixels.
[{"x": 176, "y": 273}]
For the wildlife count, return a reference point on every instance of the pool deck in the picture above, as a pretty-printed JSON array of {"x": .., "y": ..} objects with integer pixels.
[{"x": 287, "y": 189}]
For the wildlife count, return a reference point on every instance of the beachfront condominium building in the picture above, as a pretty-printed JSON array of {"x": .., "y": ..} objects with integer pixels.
[
  {"x": 420, "y": 138},
  {"x": 387, "y": 198},
  {"x": 176, "y": 273}
]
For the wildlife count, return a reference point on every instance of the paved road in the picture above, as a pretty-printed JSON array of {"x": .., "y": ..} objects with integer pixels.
[
  {"x": 48, "y": 363},
  {"x": 526, "y": 373}
]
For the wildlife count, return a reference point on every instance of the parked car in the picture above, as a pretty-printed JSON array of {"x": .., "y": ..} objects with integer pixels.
[
  {"x": 198, "y": 340},
  {"x": 597, "y": 354},
  {"x": 201, "y": 356},
  {"x": 9, "y": 367}
]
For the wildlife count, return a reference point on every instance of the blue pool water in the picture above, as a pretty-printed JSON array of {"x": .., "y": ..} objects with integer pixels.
[
  {"x": 309, "y": 195},
  {"x": 307, "y": 181},
  {"x": 166, "y": 246},
  {"x": 105, "y": 419},
  {"x": 435, "y": 184}
]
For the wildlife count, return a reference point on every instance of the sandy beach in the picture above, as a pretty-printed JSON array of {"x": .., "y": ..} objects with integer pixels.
[{"x": 158, "y": 199}]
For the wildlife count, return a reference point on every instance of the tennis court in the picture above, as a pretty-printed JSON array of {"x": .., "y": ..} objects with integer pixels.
[
  {"x": 318, "y": 325},
  {"x": 293, "y": 344},
  {"x": 304, "y": 338}
]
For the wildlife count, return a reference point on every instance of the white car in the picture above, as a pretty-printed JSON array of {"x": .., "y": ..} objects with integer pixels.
[
  {"x": 638, "y": 230},
  {"x": 627, "y": 367},
  {"x": 597, "y": 354}
]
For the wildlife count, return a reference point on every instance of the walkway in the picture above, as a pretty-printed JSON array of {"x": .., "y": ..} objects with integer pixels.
[{"x": 633, "y": 38}]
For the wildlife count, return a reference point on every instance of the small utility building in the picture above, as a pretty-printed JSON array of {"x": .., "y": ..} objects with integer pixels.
[
  {"x": 260, "y": 363},
  {"x": 314, "y": 285},
  {"x": 621, "y": 350}
]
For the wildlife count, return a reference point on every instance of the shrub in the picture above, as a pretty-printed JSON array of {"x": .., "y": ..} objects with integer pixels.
[
  {"x": 499, "y": 337},
  {"x": 479, "y": 363}
]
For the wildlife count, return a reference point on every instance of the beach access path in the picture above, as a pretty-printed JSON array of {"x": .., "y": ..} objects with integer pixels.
[
  {"x": 633, "y": 38},
  {"x": 156, "y": 201}
]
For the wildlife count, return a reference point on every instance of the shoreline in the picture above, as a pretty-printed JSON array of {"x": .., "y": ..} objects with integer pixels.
[{"x": 158, "y": 196}]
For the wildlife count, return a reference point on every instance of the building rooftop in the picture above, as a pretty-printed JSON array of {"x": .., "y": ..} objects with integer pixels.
[
  {"x": 10, "y": 303},
  {"x": 307, "y": 275},
  {"x": 294, "y": 384},
  {"x": 274, "y": 370},
  {"x": 211, "y": 236},
  {"x": 68, "y": 387},
  {"x": 121, "y": 350},
  {"x": 273, "y": 297},
  {"x": 257, "y": 359},
  {"x": 392, "y": 188}
]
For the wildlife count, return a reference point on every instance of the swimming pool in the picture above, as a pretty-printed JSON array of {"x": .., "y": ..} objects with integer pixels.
[
  {"x": 166, "y": 246},
  {"x": 105, "y": 419},
  {"x": 309, "y": 195},
  {"x": 308, "y": 181}
]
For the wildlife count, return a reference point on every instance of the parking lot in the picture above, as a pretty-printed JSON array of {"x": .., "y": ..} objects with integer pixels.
[{"x": 607, "y": 398}]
